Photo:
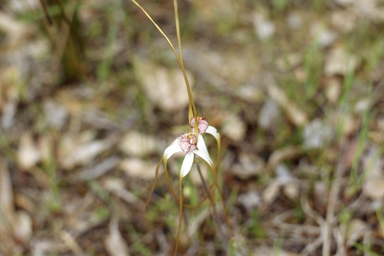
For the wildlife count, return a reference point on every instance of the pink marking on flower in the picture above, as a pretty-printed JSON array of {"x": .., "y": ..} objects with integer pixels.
[
  {"x": 202, "y": 124},
  {"x": 188, "y": 142}
]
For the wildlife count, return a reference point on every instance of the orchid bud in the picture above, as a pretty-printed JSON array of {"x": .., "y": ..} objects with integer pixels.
[{"x": 202, "y": 124}]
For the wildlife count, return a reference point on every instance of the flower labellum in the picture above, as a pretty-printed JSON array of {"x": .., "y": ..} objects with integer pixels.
[{"x": 188, "y": 142}]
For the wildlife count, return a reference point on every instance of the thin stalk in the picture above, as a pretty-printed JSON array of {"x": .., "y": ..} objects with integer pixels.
[
  {"x": 154, "y": 183},
  {"x": 213, "y": 172},
  {"x": 218, "y": 154},
  {"x": 205, "y": 186},
  {"x": 181, "y": 214},
  {"x": 215, "y": 215},
  {"x": 173, "y": 192},
  {"x": 192, "y": 104}
]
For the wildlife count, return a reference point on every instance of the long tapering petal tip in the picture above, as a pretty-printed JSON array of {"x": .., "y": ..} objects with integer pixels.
[{"x": 213, "y": 131}]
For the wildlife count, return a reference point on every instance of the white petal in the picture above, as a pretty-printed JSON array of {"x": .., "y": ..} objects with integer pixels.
[
  {"x": 201, "y": 145},
  {"x": 212, "y": 130},
  {"x": 169, "y": 151},
  {"x": 187, "y": 164},
  {"x": 205, "y": 157}
]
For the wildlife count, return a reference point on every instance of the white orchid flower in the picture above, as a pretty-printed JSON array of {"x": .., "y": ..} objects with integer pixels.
[
  {"x": 203, "y": 127},
  {"x": 187, "y": 143}
]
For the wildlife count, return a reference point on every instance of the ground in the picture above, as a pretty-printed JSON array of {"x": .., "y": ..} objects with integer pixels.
[{"x": 91, "y": 94}]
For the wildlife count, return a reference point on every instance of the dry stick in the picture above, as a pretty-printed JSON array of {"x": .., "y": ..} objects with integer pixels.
[
  {"x": 309, "y": 248},
  {"x": 332, "y": 205},
  {"x": 340, "y": 241}
]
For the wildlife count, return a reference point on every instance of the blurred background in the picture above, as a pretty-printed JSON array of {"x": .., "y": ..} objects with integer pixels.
[{"x": 91, "y": 95}]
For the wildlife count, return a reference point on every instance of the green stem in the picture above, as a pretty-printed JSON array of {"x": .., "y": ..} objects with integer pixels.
[
  {"x": 181, "y": 213},
  {"x": 179, "y": 59}
]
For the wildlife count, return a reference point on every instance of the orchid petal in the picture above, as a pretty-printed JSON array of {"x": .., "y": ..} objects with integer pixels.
[
  {"x": 212, "y": 130},
  {"x": 171, "y": 150},
  {"x": 187, "y": 164},
  {"x": 205, "y": 157},
  {"x": 201, "y": 145}
]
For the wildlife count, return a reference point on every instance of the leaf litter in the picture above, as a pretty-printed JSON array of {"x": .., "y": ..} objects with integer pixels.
[{"x": 78, "y": 155}]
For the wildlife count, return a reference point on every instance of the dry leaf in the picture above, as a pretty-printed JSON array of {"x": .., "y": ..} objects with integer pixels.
[
  {"x": 7, "y": 207},
  {"x": 291, "y": 190},
  {"x": 374, "y": 188},
  {"x": 280, "y": 155},
  {"x": 344, "y": 21},
  {"x": 250, "y": 165},
  {"x": 339, "y": 62},
  {"x": 137, "y": 144},
  {"x": 294, "y": 20},
  {"x": 269, "y": 114},
  {"x": 317, "y": 134},
  {"x": 23, "y": 226},
  {"x": 323, "y": 36},
  {"x": 164, "y": 87},
  {"x": 114, "y": 242},
  {"x": 28, "y": 153},
  {"x": 9, "y": 81},
  {"x": 264, "y": 251},
  {"x": 55, "y": 114},
  {"x": 264, "y": 28},
  {"x": 84, "y": 153},
  {"x": 296, "y": 116},
  {"x": 139, "y": 169},
  {"x": 271, "y": 192},
  {"x": 333, "y": 90},
  {"x": 250, "y": 93},
  {"x": 100, "y": 169},
  {"x": 234, "y": 128},
  {"x": 373, "y": 164},
  {"x": 16, "y": 32},
  {"x": 116, "y": 186},
  {"x": 250, "y": 200},
  {"x": 355, "y": 226}
]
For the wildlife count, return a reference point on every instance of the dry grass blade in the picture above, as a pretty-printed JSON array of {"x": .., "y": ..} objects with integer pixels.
[
  {"x": 72, "y": 244},
  {"x": 114, "y": 242}
]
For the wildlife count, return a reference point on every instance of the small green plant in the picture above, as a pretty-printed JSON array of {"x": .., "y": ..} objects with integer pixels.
[{"x": 190, "y": 143}]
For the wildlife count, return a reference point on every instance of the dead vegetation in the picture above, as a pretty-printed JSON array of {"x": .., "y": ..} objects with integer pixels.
[{"x": 91, "y": 95}]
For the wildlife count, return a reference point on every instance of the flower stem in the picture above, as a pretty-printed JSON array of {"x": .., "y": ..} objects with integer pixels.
[
  {"x": 215, "y": 215},
  {"x": 181, "y": 213},
  {"x": 192, "y": 107},
  {"x": 154, "y": 183}
]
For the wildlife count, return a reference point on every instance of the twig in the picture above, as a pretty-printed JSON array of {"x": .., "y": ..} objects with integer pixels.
[
  {"x": 314, "y": 215},
  {"x": 71, "y": 243},
  {"x": 340, "y": 240},
  {"x": 332, "y": 206}
]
